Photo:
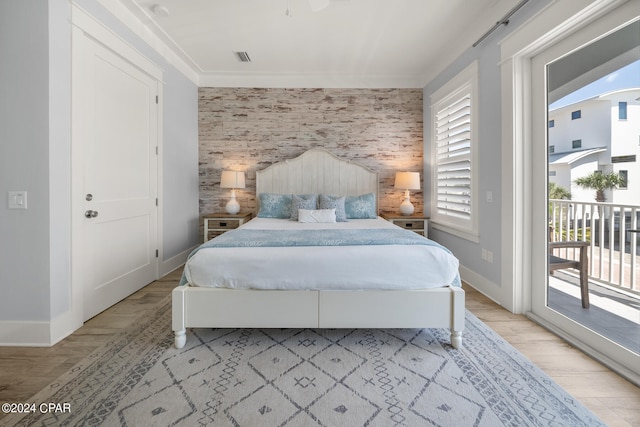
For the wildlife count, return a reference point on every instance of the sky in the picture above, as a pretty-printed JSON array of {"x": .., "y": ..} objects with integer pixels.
[{"x": 624, "y": 78}]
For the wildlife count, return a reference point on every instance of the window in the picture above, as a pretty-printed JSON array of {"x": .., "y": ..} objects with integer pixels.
[
  {"x": 624, "y": 175},
  {"x": 552, "y": 123},
  {"x": 624, "y": 159},
  {"x": 576, "y": 114},
  {"x": 622, "y": 111},
  {"x": 453, "y": 135},
  {"x": 576, "y": 143}
]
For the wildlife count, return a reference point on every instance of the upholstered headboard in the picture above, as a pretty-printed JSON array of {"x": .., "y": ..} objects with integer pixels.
[{"x": 317, "y": 171}]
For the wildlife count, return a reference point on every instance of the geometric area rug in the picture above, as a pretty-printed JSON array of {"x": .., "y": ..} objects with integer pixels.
[{"x": 305, "y": 377}]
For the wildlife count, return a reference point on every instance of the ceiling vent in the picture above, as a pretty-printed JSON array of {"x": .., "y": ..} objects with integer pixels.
[{"x": 242, "y": 56}]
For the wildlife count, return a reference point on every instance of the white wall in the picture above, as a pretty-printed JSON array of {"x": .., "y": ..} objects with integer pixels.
[
  {"x": 59, "y": 158},
  {"x": 35, "y": 119},
  {"x": 475, "y": 270},
  {"x": 600, "y": 127},
  {"x": 562, "y": 176},
  {"x": 625, "y": 135},
  {"x": 180, "y": 204},
  {"x": 24, "y": 160},
  {"x": 593, "y": 128}
]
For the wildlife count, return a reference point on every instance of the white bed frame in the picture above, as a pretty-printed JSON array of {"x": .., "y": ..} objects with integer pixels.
[{"x": 317, "y": 171}]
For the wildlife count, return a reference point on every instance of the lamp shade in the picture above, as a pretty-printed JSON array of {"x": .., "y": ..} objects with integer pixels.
[
  {"x": 232, "y": 179},
  {"x": 408, "y": 180}
]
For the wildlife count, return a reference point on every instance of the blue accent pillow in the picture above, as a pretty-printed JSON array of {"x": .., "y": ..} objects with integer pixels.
[
  {"x": 334, "y": 202},
  {"x": 361, "y": 207},
  {"x": 302, "y": 201},
  {"x": 274, "y": 205}
]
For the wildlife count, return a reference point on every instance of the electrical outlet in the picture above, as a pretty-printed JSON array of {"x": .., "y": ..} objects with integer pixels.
[
  {"x": 487, "y": 255},
  {"x": 17, "y": 199}
]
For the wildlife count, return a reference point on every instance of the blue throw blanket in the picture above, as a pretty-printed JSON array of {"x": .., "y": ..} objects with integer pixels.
[
  {"x": 240, "y": 238},
  {"x": 250, "y": 238}
]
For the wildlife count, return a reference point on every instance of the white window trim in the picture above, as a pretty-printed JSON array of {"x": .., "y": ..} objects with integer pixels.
[{"x": 465, "y": 81}]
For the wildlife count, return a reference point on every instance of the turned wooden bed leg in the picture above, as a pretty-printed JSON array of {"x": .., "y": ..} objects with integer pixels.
[
  {"x": 178, "y": 323},
  {"x": 458, "y": 317},
  {"x": 456, "y": 339},
  {"x": 181, "y": 338}
]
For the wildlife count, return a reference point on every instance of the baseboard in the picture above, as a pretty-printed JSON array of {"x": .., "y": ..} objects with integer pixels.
[
  {"x": 167, "y": 266},
  {"x": 37, "y": 333},
  {"x": 25, "y": 334},
  {"x": 48, "y": 333},
  {"x": 63, "y": 326},
  {"x": 481, "y": 284}
]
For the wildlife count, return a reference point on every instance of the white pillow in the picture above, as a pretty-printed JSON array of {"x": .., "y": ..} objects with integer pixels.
[{"x": 317, "y": 215}]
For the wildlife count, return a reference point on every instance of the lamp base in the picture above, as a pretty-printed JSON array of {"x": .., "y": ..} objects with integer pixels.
[
  {"x": 232, "y": 207},
  {"x": 406, "y": 207}
]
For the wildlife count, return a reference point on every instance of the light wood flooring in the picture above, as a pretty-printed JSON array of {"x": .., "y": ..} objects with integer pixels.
[{"x": 26, "y": 370}]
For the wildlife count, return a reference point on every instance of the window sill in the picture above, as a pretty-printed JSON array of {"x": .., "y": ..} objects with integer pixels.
[{"x": 463, "y": 234}]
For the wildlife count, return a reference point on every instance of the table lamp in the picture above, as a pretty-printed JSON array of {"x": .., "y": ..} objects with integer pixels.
[
  {"x": 407, "y": 181},
  {"x": 233, "y": 180}
]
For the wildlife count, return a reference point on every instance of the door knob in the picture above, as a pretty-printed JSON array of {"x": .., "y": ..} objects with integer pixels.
[{"x": 91, "y": 214}]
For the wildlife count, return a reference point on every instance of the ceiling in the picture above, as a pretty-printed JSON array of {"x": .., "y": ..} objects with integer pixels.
[{"x": 348, "y": 43}]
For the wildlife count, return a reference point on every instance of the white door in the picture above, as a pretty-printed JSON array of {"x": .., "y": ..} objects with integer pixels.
[
  {"x": 611, "y": 353},
  {"x": 115, "y": 116}
]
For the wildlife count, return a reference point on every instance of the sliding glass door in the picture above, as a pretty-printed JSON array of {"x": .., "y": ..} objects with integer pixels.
[{"x": 586, "y": 190}]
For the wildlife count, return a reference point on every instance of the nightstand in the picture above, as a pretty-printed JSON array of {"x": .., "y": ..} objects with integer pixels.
[
  {"x": 219, "y": 222},
  {"x": 416, "y": 222}
]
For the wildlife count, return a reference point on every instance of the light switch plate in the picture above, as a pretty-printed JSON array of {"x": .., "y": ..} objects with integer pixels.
[{"x": 17, "y": 199}]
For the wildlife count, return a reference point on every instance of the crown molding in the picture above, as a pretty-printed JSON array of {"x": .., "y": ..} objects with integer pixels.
[
  {"x": 132, "y": 21},
  {"x": 291, "y": 80}
]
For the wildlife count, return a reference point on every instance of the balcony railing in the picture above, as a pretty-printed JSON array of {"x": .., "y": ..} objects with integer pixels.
[{"x": 612, "y": 232}]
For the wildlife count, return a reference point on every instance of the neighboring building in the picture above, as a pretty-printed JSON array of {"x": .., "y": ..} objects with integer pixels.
[{"x": 597, "y": 134}]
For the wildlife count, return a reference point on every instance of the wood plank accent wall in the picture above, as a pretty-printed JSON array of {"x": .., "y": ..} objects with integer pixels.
[{"x": 248, "y": 129}]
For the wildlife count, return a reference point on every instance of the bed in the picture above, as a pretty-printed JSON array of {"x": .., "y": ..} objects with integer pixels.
[{"x": 277, "y": 272}]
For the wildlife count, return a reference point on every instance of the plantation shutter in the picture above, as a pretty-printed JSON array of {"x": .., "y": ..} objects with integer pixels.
[{"x": 453, "y": 158}]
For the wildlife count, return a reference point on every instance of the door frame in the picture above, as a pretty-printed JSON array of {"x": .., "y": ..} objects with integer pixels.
[
  {"x": 84, "y": 25},
  {"x": 524, "y": 234}
]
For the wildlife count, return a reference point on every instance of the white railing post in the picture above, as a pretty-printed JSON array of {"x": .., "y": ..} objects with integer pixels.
[
  {"x": 622, "y": 247},
  {"x": 570, "y": 220},
  {"x": 592, "y": 246},
  {"x": 633, "y": 242}
]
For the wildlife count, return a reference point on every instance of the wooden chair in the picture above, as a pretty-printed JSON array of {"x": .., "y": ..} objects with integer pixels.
[{"x": 582, "y": 265}]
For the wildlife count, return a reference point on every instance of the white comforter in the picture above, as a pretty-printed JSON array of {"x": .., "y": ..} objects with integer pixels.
[{"x": 322, "y": 267}]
